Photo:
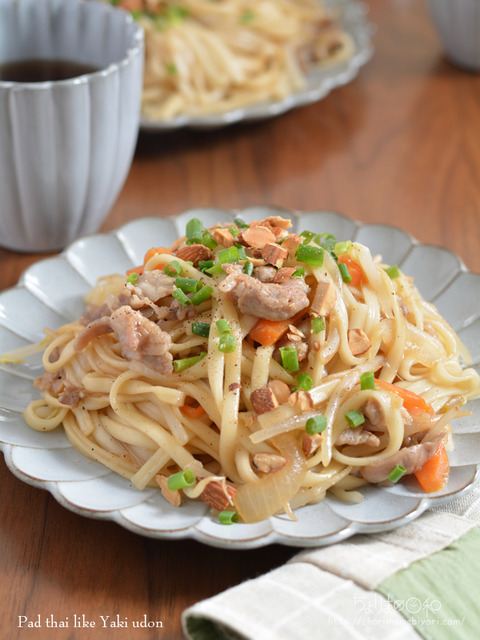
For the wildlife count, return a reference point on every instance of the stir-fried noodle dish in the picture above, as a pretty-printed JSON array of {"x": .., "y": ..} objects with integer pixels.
[
  {"x": 256, "y": 369},
  {"x": 205, "y": 57}
]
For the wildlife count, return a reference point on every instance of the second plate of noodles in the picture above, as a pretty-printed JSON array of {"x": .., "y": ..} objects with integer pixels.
[
  {"x": 213, "y": 63},
  {"x": 257, "y": 369}
]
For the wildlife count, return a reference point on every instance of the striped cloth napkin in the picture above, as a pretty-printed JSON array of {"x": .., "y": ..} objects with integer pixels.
[{"x": 418, "y": 581}]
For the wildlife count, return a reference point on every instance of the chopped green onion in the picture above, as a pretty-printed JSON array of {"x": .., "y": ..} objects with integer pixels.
[
  {"x": 232, "y": 254},
  {"x": 318, "y": 324},
  {"x": 179, "y": 295},
  {"x": 397, "y": 473},
  {"x": 367, "y": 380},
  {"x": 241, "y": 252},
  {"x": 308, "y": 235},
  {"x": 202, "y": 295},
  {"x": 228, "y": 517},
  {"x": 325, "y": 240},
  {"x": 344, "y": 272},
  {"x": 298, "y": 273},
  {"x": 203, "y": 265},
  {"x": 188, "y": 285},
  {"x": 342, "y": 247},
  {"x": 227, "y": 342},
  {"x": 247, "y": 16},
  {"x": 171, "y": 68},
  {"x": 354, "y": 418},
  {"x": 223, "y": 326},
  {"x": 289, "y": 357},
  {"x": 304, "y": 381},
  {"x": 317, "y": 424},
  {"x": 186, "y": 363},
  {"x": 173, "y": 268},
  {"x": 194, "y": 231},
  {"x": 310, "y": 255},
  {"x": 208, "y": 241},
  {"x": 201, "y": 329},
  {"x": 234, "y": 231},
  {"x": 393, "y": 271},
  {"x": 180, "y": 480},
  {"x": 132, "y": 278},
  {"x": 241, "y": 224},
  {"x": 215, "y": 270},
  {"x": 248, "y": 268}
]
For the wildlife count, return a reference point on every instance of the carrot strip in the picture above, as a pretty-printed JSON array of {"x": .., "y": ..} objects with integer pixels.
[
  {"x": 268, "y": 332},
  {"x": 192, "y": 412},
  {"x": 138, "y": 270},
  {"x": 433, "y": 475},
  {"x": 354, "y": 269},
  {"x": 411, "y": 401},
  {"x": 154, "y": 251}
]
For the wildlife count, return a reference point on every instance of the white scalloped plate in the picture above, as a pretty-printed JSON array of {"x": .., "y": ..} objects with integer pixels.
[
  {"x": 51, "y": 292},
  {"x": 319, "y": 83}
]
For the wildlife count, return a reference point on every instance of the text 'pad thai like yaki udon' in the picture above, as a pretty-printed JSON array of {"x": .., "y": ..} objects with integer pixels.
[{"x": 256, "y": 369}]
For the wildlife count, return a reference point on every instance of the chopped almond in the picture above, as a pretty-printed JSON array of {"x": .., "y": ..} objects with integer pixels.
[
  {"x": 223, "y": 237},
  {"x": 291, "y": 243},
  {"x": 274, "y": 254},
  {"x": 173, "y": 497},
  {"x": 268, "y": 462},
  {"x": 283, "y": 274},
  {"x": 277, "y": 221},
  {"x": 311, "y": 443},
  {"x": 263, "y": 399},
  {"x": 324, "y": 298},
  {"x": 218, "y": 494},
  {"x": 280, "y": 389},
  {"x": 358, "y": 341},
  {"x": 258, "y": 237},
  {"x": 301, "y": 400},
  {"x": 194, "y": 253}
]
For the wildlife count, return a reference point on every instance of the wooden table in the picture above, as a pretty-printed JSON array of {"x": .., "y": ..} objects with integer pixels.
[{"x": 398, "y": 145}]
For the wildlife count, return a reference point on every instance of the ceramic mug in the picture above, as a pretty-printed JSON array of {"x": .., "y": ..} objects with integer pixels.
[{"x": 66, "y": 145}]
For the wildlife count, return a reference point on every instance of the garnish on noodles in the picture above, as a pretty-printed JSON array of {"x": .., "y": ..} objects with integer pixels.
[{"x": 257, "y": 369}]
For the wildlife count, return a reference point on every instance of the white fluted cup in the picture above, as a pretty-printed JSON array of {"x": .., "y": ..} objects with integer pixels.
[
  {"x": 458, "y": 25},
  {"x": 66, "y": 146}
]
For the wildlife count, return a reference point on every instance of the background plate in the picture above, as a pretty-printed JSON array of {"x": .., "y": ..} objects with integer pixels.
[
  {"x": 53, "y": 289},
  {"x": 319, "y": 82}
]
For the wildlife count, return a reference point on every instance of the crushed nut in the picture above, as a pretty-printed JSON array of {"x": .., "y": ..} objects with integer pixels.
[
  {"x": 302, "y": 400},
  {"x": 277, "y": 221},
  {"x": 311, "y": 443},
  {"x": 173, "y": 497},
  {"x": 280, "y": 389},
  {"x": 291, "y": 243},
  {"x": 263, "y": 400},
  {"x": 283, "y": 274},
  {"x": 234, "y": 386},
  {"x": 258, "y": 237},
  {"x": 358, "y": 341},
  {"x": 218, "y": 494},
  {"x": 223, "y": 237},
  {"x": 194, "y": 253},
  {"x": 274, "y": 254},
  {"x": 268, "y": 462}
]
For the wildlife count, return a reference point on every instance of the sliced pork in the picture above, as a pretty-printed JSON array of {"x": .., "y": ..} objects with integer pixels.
[
  {"x": 265, "y": 300},
  {"x": 141, "y": 339}
]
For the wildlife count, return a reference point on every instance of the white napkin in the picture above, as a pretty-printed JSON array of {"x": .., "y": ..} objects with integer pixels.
[{"x": 328, "y": 592}]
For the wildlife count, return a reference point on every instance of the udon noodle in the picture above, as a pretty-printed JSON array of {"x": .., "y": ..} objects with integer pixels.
[
  {"x": 205, "y": 57},
  {"x": 257, "y": 369}
]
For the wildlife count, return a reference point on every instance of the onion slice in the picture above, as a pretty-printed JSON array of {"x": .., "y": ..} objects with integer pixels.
[{"x": 259, "y": 500}]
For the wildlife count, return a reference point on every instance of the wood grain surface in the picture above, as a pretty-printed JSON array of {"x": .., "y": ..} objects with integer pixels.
[{"x": 398, "y": 145}]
